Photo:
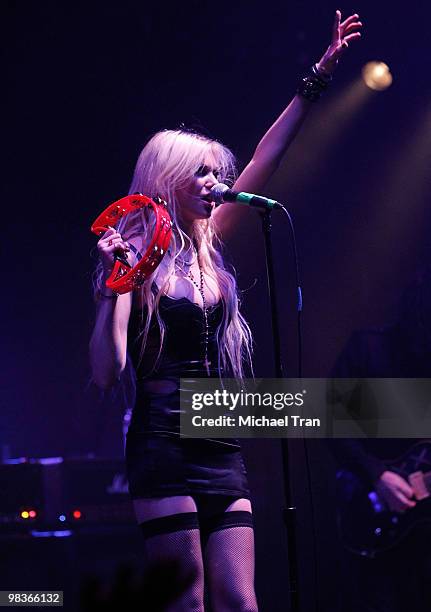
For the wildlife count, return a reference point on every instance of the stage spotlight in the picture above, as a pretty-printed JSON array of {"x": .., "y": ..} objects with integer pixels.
[{"x": 377, "y": 75}]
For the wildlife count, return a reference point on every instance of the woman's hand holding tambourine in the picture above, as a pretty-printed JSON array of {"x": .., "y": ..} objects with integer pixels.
[
  {"x": 122, "y": 277},
  {"x": 111, "y": 244}
]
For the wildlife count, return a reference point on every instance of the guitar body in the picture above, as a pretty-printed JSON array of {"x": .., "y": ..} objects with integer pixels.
[{"x": 367, "y": 527}]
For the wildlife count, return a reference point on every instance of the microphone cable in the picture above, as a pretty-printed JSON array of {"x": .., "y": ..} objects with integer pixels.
[{"x": 299, "y": 302}]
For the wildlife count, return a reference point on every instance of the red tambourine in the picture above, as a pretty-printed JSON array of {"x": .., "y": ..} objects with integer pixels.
[{"x": 123, "y": 277}]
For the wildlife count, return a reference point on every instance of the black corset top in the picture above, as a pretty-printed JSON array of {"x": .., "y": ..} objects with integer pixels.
[{"x": 183, "y": 347}]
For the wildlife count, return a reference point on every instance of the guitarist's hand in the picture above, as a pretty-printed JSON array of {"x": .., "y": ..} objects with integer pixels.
[{"x": 396, "y": 491}]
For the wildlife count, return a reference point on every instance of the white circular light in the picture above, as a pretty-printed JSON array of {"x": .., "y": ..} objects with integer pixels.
[{"x": 377, "y": 75}]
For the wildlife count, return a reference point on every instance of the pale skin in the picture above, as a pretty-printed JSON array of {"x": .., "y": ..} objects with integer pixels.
[{"x": 108, "y": 346}]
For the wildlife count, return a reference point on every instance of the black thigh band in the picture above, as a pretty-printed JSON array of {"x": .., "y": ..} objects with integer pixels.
[
  {"x": 182, "y": 521},
  {"x": 226, "y": 520}
]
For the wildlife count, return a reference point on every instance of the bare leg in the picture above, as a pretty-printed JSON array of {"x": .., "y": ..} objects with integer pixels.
[
  {"x": 229, "y": 561},
  {"x": 172, "y": 543}
]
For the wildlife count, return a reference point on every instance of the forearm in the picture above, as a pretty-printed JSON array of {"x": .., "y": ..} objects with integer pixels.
[
  {"x": 280, "y": 135},
  {"x": 272, "y": 147},
  {"x": 107, "y": 345}
]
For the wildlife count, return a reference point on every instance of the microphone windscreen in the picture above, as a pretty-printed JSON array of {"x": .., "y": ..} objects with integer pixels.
[{"x": 218, "y": 191}]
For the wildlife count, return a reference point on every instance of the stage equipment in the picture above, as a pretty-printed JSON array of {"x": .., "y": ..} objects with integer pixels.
[
  {"x": 54, "y": 494},
  {"x": 289, "y": 511},
  {"x": 221, "y": 193},
  {"x": 124, "y": 277}
]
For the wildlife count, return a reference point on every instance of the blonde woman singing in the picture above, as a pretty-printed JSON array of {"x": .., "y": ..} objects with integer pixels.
[{"x": 191, "y": 496}]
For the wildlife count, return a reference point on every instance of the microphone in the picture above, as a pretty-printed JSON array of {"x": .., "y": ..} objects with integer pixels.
[{"x": 221, "y": 193}]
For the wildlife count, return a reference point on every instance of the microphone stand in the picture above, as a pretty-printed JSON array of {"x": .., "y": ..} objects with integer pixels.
[{"x": 289, "y": 511}]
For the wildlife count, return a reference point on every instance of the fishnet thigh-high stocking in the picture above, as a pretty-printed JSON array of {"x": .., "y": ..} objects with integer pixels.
[
  {"x": 174, "y": 562},
  {"x": 229, "y": 563}
]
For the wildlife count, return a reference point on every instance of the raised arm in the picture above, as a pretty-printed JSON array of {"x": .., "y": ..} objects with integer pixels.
[{"x": 270, "y": 150}]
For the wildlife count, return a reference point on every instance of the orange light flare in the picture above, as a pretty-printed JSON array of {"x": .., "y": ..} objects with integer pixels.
[{"x": 377, "y": 76}]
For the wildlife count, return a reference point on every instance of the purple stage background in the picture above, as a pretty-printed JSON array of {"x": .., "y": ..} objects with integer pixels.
[{"x": 86, "y": 84}]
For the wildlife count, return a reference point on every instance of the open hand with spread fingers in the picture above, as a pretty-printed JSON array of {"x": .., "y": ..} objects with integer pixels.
[{"x": 343, "y": 33}]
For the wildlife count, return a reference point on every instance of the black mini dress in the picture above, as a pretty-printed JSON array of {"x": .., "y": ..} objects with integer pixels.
[{"x": 159, "y": 461}]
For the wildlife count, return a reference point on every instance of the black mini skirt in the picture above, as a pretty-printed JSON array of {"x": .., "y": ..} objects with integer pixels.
[{"x": 166, "y": 464}]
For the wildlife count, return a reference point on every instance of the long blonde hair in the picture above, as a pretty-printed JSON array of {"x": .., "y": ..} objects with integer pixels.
[{"x": 166, "y": 164}]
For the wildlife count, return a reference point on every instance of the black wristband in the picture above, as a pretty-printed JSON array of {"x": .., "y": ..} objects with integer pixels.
[
  {"x": 312, "y": 85},
  {"x": 108, "y": 297}
]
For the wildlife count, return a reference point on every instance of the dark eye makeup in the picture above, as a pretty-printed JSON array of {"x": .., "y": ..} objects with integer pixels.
[{"x": 204, "y": 170}]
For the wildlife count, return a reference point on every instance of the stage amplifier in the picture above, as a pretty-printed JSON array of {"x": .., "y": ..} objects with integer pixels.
[{"x": 57, "y": 494}]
